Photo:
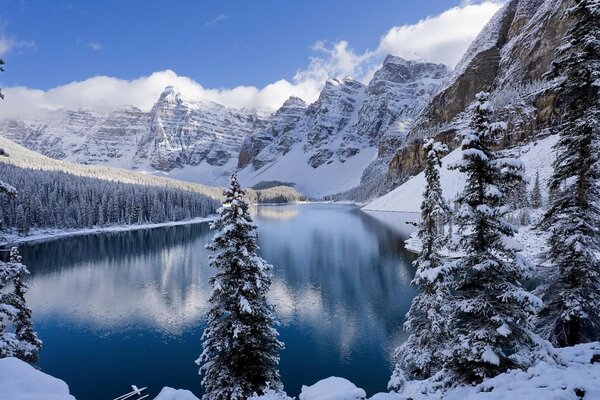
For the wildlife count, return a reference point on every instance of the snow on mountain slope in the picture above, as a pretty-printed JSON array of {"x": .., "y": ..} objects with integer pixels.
[
  {"x": 536, "y": 156},
  {"x": 293, "y": 167},
  {"x": 325, "y": 147},
  {"x": 25, "y": 158}
]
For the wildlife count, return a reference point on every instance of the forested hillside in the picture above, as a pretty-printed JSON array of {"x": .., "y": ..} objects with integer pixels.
[{"x": 54, "y": 199}]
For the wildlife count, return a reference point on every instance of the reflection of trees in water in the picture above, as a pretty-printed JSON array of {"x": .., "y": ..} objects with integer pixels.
[
  {"x": 156, "y": 278},
  {"x": 118, "y": 246},
  {"x": 280, "y": 212}
]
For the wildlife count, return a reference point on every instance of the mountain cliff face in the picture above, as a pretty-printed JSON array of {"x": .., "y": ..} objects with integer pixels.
[
  {"x": 509, "y": 58},
  {"x": 325, "y": 147}
]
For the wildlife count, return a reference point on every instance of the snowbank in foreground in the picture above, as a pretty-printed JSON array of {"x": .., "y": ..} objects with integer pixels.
[
  {"x": 536, "y": 156},
  {"x": 20, "y": 381},
  {"x": 577, "y": 378},
  {"x": 168, "y": 393},
  {"x": 332, "y": 388}
]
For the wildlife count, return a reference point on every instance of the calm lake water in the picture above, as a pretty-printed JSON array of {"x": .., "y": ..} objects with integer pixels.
[{"x": 128, "y": 308}]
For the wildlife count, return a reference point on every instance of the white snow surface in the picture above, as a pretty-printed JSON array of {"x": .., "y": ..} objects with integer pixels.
[
  {"x": 20, "y": 381},
  {"x": 574, "y": 374},
  {"x": 168, "y": 393},
  {"x": 540, "y": 382},
  {"x": 536, "y": 156},
  {"x": 332, "y": 388},
  {"x": 327, "y": 179}
]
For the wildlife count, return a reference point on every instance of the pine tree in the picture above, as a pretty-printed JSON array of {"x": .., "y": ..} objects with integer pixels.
[
  {"x": 20, "y": 340},
  {"x": 29, "y": 345},
  {"x": 571, "y": 312},
  {"x": 536, "y": 193},
  {"x": 422, "y": 354},
  {"x": 240, "y": 346},
  {"x": 490, "y": 314}
]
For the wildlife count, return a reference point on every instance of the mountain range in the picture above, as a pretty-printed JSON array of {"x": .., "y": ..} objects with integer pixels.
[{"x": 356, "y": 141}]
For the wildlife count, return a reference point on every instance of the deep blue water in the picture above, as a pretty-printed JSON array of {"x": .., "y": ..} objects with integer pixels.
[{"x": 128, "y": 308}]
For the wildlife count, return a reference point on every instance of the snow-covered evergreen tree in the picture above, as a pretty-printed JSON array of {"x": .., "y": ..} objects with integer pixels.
[
  {"x": 240, "y": 346},
  {"x": 17, "y": 337},
  {"x": 571, "y": 312},
  {"x": 490, "y": 314},
  {"x": 423, "y": 352},
  {"x": 29, "y": 345},
  {"x": 536, "y": 192}
]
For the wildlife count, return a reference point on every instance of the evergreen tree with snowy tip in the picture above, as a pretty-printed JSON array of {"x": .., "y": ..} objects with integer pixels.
[
  {"x": 29, "y": 343},
  {"x": 571, "y": 312},
  {"x": 17, "y": 337},
  {"x": 240, "y": 356},
  {"x": 536, "y": 192},
  {"x": 423, "y": 353},
  {"x": 489, "y": 320}
]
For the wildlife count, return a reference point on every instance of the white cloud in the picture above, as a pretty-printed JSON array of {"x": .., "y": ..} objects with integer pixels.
[
  {"x": 442, "y": 38},
  {"x": 106, "y": 93},
  {"x": 10, "y": 43},
  {"x": 216, "y": 20},
  {"x": 95, "y": 46}
]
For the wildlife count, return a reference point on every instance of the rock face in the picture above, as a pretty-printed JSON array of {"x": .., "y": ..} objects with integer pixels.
[
  {"x": 184, "y": 133},
  {"x": 341, "y": 133},
  {"x": 509, "y": 58},
  {"x": 175, "y": 133}
]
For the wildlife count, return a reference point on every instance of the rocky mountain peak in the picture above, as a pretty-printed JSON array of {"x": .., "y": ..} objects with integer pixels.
[
  {"x": 294, "y": 101},
  {"x": 396, "y": 70}
]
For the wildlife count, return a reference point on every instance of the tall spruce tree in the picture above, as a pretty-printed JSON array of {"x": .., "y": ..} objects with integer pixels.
[
  {"x": 571, "y": 312},
  {"x": 490, "y": 314},
  {"x": 423, "y": 353},
  {"x": 29, "y": 344},
  {"x": 17, "y": 337},
  {"x": 240, "y": 343},
  {"x": 536, "y": 192}
]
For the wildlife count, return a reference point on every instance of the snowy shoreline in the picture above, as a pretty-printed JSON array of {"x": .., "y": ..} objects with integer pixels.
[{"x": 45, "y": 235}]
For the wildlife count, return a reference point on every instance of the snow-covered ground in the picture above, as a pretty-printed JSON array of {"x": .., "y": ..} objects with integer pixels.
[
  {"x": 536, "y": 156},
  {"x": 575, "y": 377},
  {"x": 315, "y": 182},
  {"x": 40, "y": 235}
]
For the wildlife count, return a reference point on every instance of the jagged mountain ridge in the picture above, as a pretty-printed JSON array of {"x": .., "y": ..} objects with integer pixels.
[
  {"x": 175, "y": 133},
  {"x": 326, "y": 146},
  {"x": 322, "y": 147}
]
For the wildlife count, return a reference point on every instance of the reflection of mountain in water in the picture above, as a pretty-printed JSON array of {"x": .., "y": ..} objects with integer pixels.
[
  {"x": 280, "y": 213},
  {"x": 156, "y": 278},
  {"x": 340, "y": 276}
]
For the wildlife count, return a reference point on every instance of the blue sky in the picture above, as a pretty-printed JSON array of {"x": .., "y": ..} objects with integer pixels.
[{"x": 218, "y": 44}]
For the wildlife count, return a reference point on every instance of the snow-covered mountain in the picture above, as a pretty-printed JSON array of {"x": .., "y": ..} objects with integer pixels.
[
  {"x": 322, "y": 148},
  {"x": 325, "y": 147},
  {"x": 176, "y": 133}
]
